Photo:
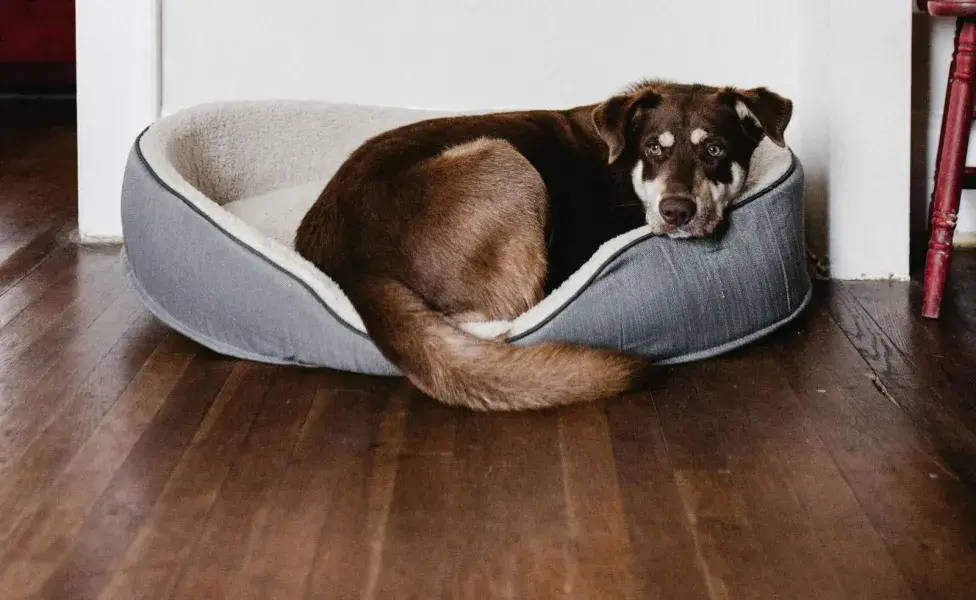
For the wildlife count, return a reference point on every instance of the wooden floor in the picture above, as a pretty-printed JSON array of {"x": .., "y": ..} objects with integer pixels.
[{"x": 833, "y": 460}]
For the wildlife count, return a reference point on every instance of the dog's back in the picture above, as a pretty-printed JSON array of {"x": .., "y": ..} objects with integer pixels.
[{"x": 371, "y": 192}]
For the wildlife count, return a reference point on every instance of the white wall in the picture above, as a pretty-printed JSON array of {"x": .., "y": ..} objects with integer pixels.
[
  {"x": 118, "y": 95},
  {"x": 470, "y": 54},
  {"x": 462, "y": 54},
  {"x": 932, "y": 51},
  {"x": 865, "y": 106}
]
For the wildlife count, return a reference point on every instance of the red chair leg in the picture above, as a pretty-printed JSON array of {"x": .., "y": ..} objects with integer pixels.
[
  {"x": 953, "y": 145},
  {"x": 945, "y": 111}
]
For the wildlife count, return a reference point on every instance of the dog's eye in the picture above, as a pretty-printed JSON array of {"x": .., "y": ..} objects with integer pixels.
[
  {"x": 714, "y": 150},
  {"x": 654, "y": 148}
]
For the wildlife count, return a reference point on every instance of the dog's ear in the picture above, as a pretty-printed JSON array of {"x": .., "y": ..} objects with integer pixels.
[
  {"x": 615, "y": 118},
  {"x": 765, "y": 109}
]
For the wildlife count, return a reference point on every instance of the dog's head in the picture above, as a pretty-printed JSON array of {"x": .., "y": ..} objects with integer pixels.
[{"x": 688, "y": 147}]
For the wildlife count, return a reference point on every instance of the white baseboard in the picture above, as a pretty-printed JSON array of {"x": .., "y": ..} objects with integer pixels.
[
  {"x": 893, "y": 278},
  {"x": 96, "y": 240},
  {"x": 964, "y": 239}
]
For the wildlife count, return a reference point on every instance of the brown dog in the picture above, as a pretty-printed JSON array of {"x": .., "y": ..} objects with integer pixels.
[{"x": 478, "y": 217}]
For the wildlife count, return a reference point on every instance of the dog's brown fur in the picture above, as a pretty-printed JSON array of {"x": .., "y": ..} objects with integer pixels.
[{"x": 477, "y": 218}]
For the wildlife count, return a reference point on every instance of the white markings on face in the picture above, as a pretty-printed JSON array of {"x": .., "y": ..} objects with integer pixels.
[
  {"x": 744, "y": 113},
  {"x": 648, "y": 191},
  {"x": 666, "y": 139},
  {"x": 723, "y": 192},
  {"x": 698, "y": 135},
  {"x": 637, "y": 178},
  {"x": 738, "y": 178},
  {"x": 718, "y": 191}
]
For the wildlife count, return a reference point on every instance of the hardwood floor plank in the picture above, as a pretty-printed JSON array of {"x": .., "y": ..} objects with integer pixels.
[
  {"x": 420, "y": 550},
  {"x": 38, "y": 190},
  {"x": 953, "y": 348},
  {"x": 510, "y": 506},
  {"x": 37, "y": 187},
  {"x": 730, "y": 555},
  {"x": 960, "y": 292},
  {"x": 21, "y": 491},
  {"x": 139, "y": 584},
  {"x": 27, "y": 215},
  {"x": 35, "y": 199},
  {"x": 935, "y": 349},
  {"x": 684, "y": 416},
  {"x": 664, "y": 562},
  {"x": 933, "y": 413},
  {"x": 166, "y": 537},
  {"x": 20, "y": 264},
  {"x": 28, "y": 410},
  {"x": 384, "y": 473},
  {"x": 242, "y": 505},
  {"x": 36, "y": 543},
  {"x": 349, "y": 535},
  {"x": 51, "y": 289},
  {"x": 954, "y": 333},
  {"x": 768, "y": 426},
  {"x": 36, "y": 332},
  {"x": 30, "y": 363},
  {"x": 319, "y": 514},
  {"x": 599, "y": 557},
  {"x": 695, "y": 425},
  {"x": 861, "y": 564},
  {"x": 23, "y": 478},
  {"x": 907, "y": 489},
  {"x": 128, "y": 500},
  {"x": 60, "y": 265}
]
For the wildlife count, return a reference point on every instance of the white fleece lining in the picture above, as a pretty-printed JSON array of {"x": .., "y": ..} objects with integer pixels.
[{"x": 255, "y": 167}]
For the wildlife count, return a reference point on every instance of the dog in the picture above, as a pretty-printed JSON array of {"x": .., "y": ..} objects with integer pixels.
[{"x": 476, "y": 218}]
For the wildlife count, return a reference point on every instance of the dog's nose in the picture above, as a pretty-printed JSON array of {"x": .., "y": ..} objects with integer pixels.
[{"x": 677, "y": 210}]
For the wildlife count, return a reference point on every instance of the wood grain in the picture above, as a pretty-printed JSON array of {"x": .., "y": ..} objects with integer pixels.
[
  {"x": 665, "y": 563},
  {"x": 323, "y": 547},
  {"x": 240, "y": 511},
  {"x": 889, "y": 464},
  {"x": 510, "y": 507},
  {"x": 421, "y": 543},
  {"x": 599, "y": 556}
]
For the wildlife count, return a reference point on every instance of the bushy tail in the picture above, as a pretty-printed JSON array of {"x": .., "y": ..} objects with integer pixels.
[{"x": 460, "y": 369}]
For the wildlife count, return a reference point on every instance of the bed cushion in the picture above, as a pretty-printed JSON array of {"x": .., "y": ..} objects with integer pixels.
[{"x": 212, "y": 196}]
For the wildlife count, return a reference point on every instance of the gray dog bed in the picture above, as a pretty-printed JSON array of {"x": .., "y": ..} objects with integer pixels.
[{"x": 213, "y": 194}]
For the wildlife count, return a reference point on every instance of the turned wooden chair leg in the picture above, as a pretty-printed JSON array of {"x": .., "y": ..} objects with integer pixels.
[{"x": 950, "y": 167}]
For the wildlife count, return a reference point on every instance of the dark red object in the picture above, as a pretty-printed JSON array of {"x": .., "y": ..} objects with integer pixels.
[
  {"x": 37, "y": 31},
  {"x": 951, "y": 173},
  {"x": 949, "y": 8},
  {"x": 37, "y": 46}
]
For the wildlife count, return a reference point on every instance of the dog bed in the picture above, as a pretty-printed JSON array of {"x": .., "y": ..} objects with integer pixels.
[{"x": 212, "y": 196}]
